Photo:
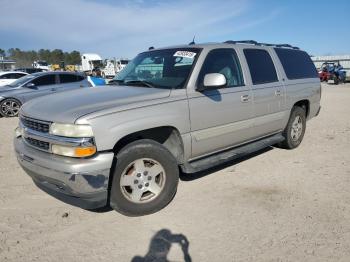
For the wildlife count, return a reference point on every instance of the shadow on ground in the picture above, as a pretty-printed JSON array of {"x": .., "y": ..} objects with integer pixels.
[{"x": 160, "y": 246}]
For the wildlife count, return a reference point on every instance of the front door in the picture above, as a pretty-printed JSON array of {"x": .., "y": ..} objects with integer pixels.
[
  {"x": 43, "y": 85},
  {"x": 222, "y": 117}
]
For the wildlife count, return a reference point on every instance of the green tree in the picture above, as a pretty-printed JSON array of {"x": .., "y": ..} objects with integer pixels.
[
  {"x": 2, "y": 52},
  {"x": 44, "y": 55},
  {"x": 75, "y": 58},
  {"x": 26, "y": 58},
  {"x": 56, "y": 56}
]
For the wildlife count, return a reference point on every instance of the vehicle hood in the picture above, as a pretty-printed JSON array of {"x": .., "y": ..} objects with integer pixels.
[
  {"x": 67, "y": 107},
  {"x": 7, "y": 91}
]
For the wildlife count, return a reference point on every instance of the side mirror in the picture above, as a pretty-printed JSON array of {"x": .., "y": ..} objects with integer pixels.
[
  {"x": 212, "y": 81},
  {"x": 31, "y": 85}
]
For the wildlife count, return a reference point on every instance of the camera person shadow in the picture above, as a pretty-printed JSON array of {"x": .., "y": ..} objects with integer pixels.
[{"x": 160, "y": 246}]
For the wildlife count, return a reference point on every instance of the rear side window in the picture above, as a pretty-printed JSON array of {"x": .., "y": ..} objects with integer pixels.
[
  {"x": 11, "y": 76},
  {"x": 68, "y": 78},
  {"x": 261, "y": 67},
  {"x": 45, "y": 80},
  {"x": 6, "y": 76},
  {"x": 297, "y": 64},
  {"x": 223, "y": 61},
  {"x": 16, "y": 76}
]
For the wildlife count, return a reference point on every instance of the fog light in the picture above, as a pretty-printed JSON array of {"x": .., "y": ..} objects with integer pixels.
[
  {"x": 73, "y": 151},
  {"x": 18, "y": 132}
]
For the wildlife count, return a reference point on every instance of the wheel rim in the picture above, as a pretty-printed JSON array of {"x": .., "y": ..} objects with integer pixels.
[
  {"x": 10, "y": 108},
  {"x": 143, "y": 180},
  {"x": 297, "y": 128}
]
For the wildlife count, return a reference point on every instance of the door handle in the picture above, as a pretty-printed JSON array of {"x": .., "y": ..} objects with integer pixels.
[
  {"x": 277, "y": 92},
  {"x": 53, "y": 89},
  {"x": 245, "y": 98}
]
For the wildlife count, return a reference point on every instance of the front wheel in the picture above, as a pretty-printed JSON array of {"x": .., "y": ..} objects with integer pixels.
[
  {"x": 295, "y": 129},
  {"x": 145, "y": 178},
  {"x": 10, "y": 107}
]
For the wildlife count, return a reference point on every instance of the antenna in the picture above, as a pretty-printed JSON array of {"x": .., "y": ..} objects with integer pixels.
[{"x": 193, "y": 43}]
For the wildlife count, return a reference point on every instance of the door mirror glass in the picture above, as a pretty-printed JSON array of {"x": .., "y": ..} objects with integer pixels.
[
  {"x": 212, "y": 81},
  {"x": 31, "y": 85}
]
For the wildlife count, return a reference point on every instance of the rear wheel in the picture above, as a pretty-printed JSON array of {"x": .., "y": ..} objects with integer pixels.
[
  {"x": 336, "y": 79},
  {"x": 145, "y": 178},
  {"x": 10, "y": 107},
  {"x": 295, "y": 129}
]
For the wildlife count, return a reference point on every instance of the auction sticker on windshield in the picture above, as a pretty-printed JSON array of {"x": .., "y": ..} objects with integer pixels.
[{"x": 187, "y": 54}]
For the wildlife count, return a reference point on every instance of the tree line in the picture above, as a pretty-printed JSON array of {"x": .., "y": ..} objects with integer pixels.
[{"x": 26, "y": 58}]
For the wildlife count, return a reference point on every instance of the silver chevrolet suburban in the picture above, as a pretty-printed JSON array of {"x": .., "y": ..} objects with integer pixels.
[{"x": 186, "y": 107}]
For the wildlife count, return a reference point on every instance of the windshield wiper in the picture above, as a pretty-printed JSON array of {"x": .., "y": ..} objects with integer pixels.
[
  {"x": 142, "y": 82},
  {"x": 115, "y": 82}
]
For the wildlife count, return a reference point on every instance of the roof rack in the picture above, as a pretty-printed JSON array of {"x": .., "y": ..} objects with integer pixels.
[{"x": 252, "y": 42}]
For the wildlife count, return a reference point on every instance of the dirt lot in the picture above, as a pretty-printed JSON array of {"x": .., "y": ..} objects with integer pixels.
[{"x": 277, "y": 205}]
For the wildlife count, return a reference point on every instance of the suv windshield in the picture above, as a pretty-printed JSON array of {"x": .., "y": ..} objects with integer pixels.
[
  {"x": 167, "y": 68},
  {"x": 21, "y": 81}
]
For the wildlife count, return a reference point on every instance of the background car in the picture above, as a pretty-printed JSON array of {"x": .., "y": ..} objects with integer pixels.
[
  {"x": 12, "y": 96},
  {"x": 10, "y": 76},
  {"x": 30, "y": 70}
]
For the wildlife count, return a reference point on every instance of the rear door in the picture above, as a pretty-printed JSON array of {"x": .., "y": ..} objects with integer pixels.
[
  {"x": 268, "y": 92},
  {"x": 222, "y": 117},
  {"x": 69, "y": 82}
]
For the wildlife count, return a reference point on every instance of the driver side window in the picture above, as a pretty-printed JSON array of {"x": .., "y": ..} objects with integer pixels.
[
  {"x": 223, "y": 61},
  {"x": 45, "y": 80}
]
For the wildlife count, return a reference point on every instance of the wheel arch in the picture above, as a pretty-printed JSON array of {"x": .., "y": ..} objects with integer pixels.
[
  {"x": 305, "y": 104},
  {"x": 168, "y": 136}
]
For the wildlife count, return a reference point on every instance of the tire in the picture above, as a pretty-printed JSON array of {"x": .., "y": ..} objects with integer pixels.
[
  {"x": 336, "y": 80},
  {"x": 145, "y": 178},
  {"x": 10, "y": 107},
  {"x": 295, "y": 129}
]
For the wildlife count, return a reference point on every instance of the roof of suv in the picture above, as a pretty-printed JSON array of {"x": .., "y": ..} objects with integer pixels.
[{"x": 229, "y": 43}]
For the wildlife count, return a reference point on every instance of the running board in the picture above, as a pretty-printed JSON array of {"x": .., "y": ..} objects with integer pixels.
[{"x": 231, "y": 154}]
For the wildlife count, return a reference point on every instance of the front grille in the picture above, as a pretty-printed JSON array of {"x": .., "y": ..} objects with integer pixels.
[
  {"x": 35, "y": 125},
  {"x": 37, "y": 143}
]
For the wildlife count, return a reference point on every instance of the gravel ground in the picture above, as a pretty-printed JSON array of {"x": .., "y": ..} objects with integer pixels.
[{"x": 277, "y": 205}]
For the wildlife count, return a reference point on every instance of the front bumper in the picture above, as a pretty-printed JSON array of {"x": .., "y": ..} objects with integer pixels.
[{"x": 79, "y": 182}]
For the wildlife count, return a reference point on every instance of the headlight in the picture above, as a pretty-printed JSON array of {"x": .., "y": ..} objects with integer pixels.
[
  {"x": 1, "y": 98},
  {"x": 69, "y": 130},
  {"x": 73, "y": 151}
]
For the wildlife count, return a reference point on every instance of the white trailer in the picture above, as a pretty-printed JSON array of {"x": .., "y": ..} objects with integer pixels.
[
  {"x": 91, "y": 63},
  {"x": 109, "y": 69},
  {"x": 113, "y": 67},
  {"x": 41, "y": 65},
  {"x": 120, "y": 64}
]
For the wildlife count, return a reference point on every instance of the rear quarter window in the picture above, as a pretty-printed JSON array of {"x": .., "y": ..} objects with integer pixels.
[
  {"x": 69, "y": 78},
  {"x": 261, "y": 67},
  {"x": 296, "y": 64}
]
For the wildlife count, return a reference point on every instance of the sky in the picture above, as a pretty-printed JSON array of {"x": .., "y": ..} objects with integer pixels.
[{"x": 125, "y": 28}]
